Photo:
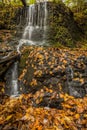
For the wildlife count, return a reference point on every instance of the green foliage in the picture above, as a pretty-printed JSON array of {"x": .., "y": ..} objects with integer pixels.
[
  {"x": 81, "y": 18},
  {"x": 78, "y": 4},
  {"x": 16, "y": 2},
  {"x": 31, "y": 2}
]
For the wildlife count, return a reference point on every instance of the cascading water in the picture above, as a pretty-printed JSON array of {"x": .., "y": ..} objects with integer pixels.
[
  {"x": 12, "y": 80},
  {"x": 35, "y": 30}
]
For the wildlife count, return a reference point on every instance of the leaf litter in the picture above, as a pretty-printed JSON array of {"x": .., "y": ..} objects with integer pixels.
[{"x": 37, "y": 111}]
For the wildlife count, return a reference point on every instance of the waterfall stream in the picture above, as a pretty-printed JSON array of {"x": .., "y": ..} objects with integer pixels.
[
  {"x": 12, "y": 80},
  {"x": 36, "y": 25}
]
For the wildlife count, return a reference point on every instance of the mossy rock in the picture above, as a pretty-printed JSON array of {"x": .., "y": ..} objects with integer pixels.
[
  {"x": 7, "y": 15},
  {"x": 63, "y": 27}
]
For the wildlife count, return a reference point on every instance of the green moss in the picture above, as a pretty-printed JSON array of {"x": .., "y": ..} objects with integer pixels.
[
  {"x": 61, "y": 35},
  {"x": 23, "y": 60}
]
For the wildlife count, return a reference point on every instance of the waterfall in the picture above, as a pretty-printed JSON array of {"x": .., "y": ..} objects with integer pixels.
[
  {"x": 29, "y": 28},
  {"x": 12, "y": 80},
  {"x": 36, "y": 25}
]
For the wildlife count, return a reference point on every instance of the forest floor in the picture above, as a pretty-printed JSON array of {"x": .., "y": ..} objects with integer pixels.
[{"x": 46, "y": 106}]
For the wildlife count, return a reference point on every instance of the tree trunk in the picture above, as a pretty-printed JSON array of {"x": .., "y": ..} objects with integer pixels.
[{"x": 24, "y": 2}]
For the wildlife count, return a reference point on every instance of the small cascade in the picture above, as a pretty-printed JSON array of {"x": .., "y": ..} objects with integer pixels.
[
  {"x": 12, "y": 81},
  {"x": 36, "y": 25},
  {"x": 74, "y": 86},
  {"x": 69, "y": 75}
]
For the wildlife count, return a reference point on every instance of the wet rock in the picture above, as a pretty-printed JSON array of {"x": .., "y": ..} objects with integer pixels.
[
  {"x": 76, "y": 89},
  {"x": 46, "y": 99},
  {"x": 56, "y": 103},
  {"x": 85, "y": 86},
  {"x": 85, "y": 60},
  {"x": 65, "y": 24},
  {"x": 49, "y": 101},
  {"x": 53, "y": 81}
]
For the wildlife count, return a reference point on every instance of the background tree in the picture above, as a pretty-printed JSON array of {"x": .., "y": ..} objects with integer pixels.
[{"x": 79, "y": 4}]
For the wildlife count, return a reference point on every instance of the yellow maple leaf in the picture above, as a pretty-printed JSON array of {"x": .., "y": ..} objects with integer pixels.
[{"x": 8, "y": 117}]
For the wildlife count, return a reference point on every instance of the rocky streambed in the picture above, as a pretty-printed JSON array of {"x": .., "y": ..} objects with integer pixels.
[
  {"x": 54, "y": 68},
  {"x": 54, "y": 84},
  {"x": 61, "y": 70}
]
